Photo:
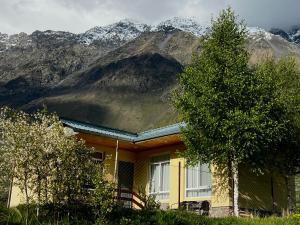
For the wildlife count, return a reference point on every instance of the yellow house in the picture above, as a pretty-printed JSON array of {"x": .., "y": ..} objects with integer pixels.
[{"x": 150, "y": 162}]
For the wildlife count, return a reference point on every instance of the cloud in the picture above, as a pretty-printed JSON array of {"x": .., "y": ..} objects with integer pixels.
[
  {"x": 268, "y": 13},
  {"x": 79, "y": 15}
]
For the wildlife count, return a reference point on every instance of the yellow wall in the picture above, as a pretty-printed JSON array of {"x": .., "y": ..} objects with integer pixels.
[
  {"x": 256, "y": 190},
  {"x": 220, "y": 188},
  {"x": 110, "y": 158},
  {"x": 16, "y": 197}
]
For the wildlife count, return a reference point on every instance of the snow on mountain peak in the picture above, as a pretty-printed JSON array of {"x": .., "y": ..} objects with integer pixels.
[
  {"x": 257, "y": 33},
  {"x": 126, "y": 30},
  {"x": 123, "y": 30},
  {"x": 185, "y": 24}
]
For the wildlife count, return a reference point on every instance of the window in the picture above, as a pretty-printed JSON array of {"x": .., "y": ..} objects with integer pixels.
[
  {"x": 160, "y": 177},
  {"x": 198, "y": 181},
  {"x": 98, "y": 157}
]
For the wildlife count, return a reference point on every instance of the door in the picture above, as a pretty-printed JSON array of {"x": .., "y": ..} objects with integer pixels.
[
  {"x": 125, "y": 180},
  {"x": 125, "y": 175}
]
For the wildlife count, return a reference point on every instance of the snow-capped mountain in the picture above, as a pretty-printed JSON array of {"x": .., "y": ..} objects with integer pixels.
[
  {"x": 185, "y": 24},
  {"x": 259, "y": 33},
  {"x": 295, "y": 34},
  {"x": 292, "y": 35},
  {"x": 123, "y": 31},
  {"x": 106, "y": 68},
  {"x": 119, "y": 33},
  {"x": 8, "y": 41}
]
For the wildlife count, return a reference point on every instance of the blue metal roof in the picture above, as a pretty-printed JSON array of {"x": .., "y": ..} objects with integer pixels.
[{"x": 123, "y": 135}]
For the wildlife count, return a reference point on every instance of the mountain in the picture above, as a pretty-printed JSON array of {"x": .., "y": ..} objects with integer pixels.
[
  {"x": 120, "y": 75},
  {"x": 292, "y": 35}
]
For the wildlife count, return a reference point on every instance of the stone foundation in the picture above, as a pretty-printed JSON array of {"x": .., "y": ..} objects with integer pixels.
[
  {"x": 164, "y": 206},
  {"x": 220, "y": 211}
]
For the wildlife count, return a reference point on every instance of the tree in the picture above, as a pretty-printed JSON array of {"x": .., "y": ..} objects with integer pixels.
[
  {"x": 283, "y": 157},
  {"x": 231, "y": 112},
  {"x": 46, "y": 162}
]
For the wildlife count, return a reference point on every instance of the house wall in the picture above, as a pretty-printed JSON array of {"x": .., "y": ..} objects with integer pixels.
[
  {"x": 18, "y": 197},
  {"x": 220, "y": 189},
  {"x": 256, "y": 191},
  {"x": 110, "y": 158}
]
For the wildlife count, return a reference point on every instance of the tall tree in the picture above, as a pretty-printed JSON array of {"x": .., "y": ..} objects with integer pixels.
[{"x": 227, "y": 107}]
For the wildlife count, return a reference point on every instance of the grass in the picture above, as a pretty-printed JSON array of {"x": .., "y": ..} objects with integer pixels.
[{"x": 15, "y": 216}]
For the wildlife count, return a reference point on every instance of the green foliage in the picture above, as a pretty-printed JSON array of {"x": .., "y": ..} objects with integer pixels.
[
  {"x": 159, "y": 217},
  {"x": 45, "y": 159},
  {"x": 103, "y": 196},
  {"x": 138, "y": 217},
  {"x": 281, "y": 82},
  {"x": 149, "y": 201},
  {"x": 235, "y": 113}
]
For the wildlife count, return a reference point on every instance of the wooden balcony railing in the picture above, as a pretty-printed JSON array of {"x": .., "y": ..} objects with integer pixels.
[{"x": 129, "y": 196}]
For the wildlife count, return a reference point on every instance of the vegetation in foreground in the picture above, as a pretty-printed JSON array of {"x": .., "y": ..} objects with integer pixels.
[{"x": 16, "y": 216}]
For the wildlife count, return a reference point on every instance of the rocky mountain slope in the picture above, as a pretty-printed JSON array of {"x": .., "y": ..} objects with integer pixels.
[
  {"x": 120, "y": 75},
  {"x": 293, "y": 35}
]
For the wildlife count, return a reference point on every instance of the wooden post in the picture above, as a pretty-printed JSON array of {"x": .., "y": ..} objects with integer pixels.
[
  {"x": 179, "y": 183},
  {"x": 116, "y": 162}
]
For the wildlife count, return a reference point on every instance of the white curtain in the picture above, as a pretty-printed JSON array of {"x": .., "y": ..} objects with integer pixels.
[
  {"x": 160, "y": 177},
  {"x": 164, "y": 180},
  {"x": 198, "y": 181},
  {"x": 154, "y": 184}
]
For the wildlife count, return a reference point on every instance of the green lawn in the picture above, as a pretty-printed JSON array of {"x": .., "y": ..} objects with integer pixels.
[{"x": 134, "y": 217}]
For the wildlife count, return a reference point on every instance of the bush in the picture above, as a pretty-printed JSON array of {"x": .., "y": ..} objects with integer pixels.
[
  {"x": 159, "y": 217},
  {"x": 120, "y": 216}
]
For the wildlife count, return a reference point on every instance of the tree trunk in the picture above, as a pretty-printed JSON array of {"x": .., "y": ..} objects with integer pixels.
[
  {"x": 27, "y": 201},
  {"x": 289, "y": 194},
  {"x": 10, "y": 191},
  {"x": 235, "y": 178},
  {"x": 39, "y": 195}
]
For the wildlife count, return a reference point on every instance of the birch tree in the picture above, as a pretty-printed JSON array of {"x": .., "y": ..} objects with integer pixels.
[{"x": 232, "y": 113}]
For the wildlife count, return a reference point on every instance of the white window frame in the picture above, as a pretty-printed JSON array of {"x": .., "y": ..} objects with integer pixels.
[
  {"x": 204, "y": 187},
  {"x": 157, "y": 194}
]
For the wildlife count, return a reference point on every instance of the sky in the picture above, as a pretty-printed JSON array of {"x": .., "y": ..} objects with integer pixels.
[{"x": 78, "y": 16}]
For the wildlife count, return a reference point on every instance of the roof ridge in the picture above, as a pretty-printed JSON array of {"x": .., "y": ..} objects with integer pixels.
[
  {"x": 124, "y": 135},
  {"x": 85, "y": 124},
  {"x": 159, "y": 128}
]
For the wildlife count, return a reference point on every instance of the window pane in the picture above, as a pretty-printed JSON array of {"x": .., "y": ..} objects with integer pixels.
[
  {"x": 192, "y": 177},
  {"x": 198, "y": 193},
  {"x": 205, "y": 175},
  {"x": 154, "y": 176},
  {"x": 198, "y": 181},
  {"x": 160, "y": 177},
  {"x": 165, "y": 178},
  {"x": 161, "y": 158}
]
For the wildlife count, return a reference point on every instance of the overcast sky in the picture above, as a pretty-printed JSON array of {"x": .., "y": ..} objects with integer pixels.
[{"x": 80, "y": 15}]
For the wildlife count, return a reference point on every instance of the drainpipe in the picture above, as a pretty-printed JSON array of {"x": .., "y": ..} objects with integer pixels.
[{"x": 116, "y": 162}]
